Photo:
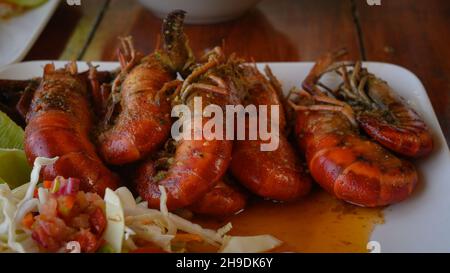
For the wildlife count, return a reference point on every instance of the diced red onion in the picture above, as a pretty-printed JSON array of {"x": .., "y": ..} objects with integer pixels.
[{"x": 69, "y": 186}]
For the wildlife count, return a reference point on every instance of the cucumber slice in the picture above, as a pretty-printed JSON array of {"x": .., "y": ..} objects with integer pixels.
[
  {"x": 11, "y": 135},
  {"x": 14, "y": 168},
  {"x": 27, "y": 3}
]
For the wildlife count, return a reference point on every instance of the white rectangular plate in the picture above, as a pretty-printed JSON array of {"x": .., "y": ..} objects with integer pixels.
[
  {"x": 420, "y": 224},
  {"x": 18, "y": 34}
]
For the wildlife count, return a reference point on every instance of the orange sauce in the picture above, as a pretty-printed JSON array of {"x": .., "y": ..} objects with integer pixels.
[{"x": 318, "y": 223}]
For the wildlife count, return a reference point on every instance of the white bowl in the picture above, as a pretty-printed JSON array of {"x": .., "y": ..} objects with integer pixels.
[{"x": 201, "y": 11}]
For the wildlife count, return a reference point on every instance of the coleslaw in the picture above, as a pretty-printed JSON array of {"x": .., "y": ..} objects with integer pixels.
[{"x": 130, "y": 224}]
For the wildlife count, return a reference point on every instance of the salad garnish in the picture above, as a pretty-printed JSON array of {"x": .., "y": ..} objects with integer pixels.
[{"x": 55, "y": 216}]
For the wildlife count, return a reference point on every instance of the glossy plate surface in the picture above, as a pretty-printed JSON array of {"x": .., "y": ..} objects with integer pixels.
[{"x": 420, "y": 224}]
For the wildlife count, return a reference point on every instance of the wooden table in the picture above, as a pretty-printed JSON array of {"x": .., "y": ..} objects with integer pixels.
[{"x": 413, "y": 34}]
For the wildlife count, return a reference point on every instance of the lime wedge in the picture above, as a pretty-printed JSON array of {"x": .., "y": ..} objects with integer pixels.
[
  {"x": 11, "y": 135},
  {"x": 14, "y": 168},
  {"x": 27, "y": 3}
]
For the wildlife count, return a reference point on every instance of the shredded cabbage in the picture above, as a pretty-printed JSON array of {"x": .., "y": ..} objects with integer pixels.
[
  {"x": 14, "y": 205},
  {"x": 161, "y": 226},
  {"x": 114, "y": 232},
  {"x": 171, "y": 228},
  {"x": 34, "y": 178},
  {"x": 127, "y": 221},
  {"x": 19, "y": 193}
]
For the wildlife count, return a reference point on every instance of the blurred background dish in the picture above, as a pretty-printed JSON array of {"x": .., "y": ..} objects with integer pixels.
[
  {"x": 10, "y": 8},
  {"x": 18, "y": 33},
  {"x": 202, "y": 11}
]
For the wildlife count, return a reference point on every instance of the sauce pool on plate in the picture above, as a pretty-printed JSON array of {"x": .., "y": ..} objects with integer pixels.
[{"x": 318, "y": 223}]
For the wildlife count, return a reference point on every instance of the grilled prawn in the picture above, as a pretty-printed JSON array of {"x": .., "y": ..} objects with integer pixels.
[
  {"x": 340, "y": 159},
  {"x": 58, "y": 124},
  {"x": 279, "y": 174},
  {"x": 194, "y": 167},
  {"x": 16, "y": 95},
  {"x": 383, "y": 115},
  {"x": 143, "y": 121},
  {"x": 223, "y": 200}
]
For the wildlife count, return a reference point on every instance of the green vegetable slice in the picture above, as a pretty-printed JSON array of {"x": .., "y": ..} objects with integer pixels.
[
  {"x": 27, "y": 3},
  {"x": 11, "y": 135},
  {"x": 14, "y": 168}
]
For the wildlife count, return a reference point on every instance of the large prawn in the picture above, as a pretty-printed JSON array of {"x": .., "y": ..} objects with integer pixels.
[
  {"x": 143, "y": 121},
  {"x": 59, "y": 123},
  {"x": 340, "y": 159},
  {"x": 278, "y": 174},
  {"x": 194, "y": 167},
  {"x": 16, "y": 95},
  {"x": 381, "y": 113},
  {"x": 223, "y": 200}
]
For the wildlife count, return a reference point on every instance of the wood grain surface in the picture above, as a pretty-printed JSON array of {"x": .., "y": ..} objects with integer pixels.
[
  {"x": 68, "y": 32},
  {"x": 282, "y": 30}
]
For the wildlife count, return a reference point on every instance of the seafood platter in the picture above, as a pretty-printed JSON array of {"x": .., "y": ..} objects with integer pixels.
[{"x": 333, "y": 156}]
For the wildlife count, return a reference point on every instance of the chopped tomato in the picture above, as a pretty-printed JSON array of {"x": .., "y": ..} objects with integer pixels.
[
  {"x": 50, "y": 234},
  {"x": 80, "y": 221},
  {"x": 87, "y": 240},
  {"x": 68, "y": 215},
  {"x": 42, "y": 238},
  {"x": 97, "y": 219}
]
